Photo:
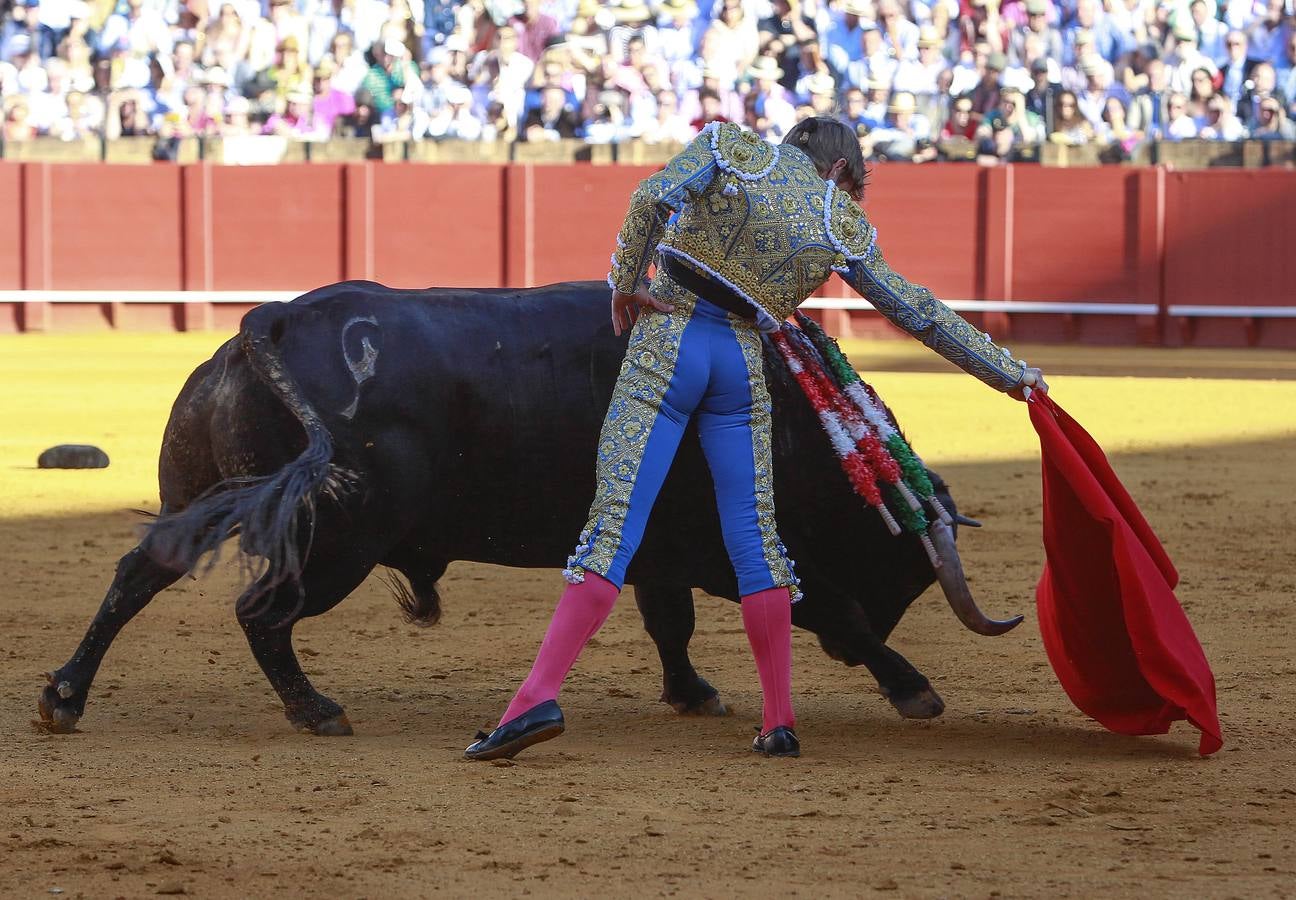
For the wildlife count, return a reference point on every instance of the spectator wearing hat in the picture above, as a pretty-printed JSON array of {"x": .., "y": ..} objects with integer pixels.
[
  {"x": 392, "y": 70},
  {"x": 436, "y": 78},
  {"x": 768, "y": 100},
  {"x": 633, "y": 18},
  {"x": 1099, "y": 85},
  {"x": 904, "y": 134},
  {"x": 587, "y": 38},
  {"x": 784, "y": 35},
  {"x": 843, "y": 40},
  {"x": 985, "y": 95},
  {"x": 554, "y": 119},
  {"x": 819, "y": 91},
  {"x": 1039, "y": 99},
  {"x": 290, "y": 72},
  {"x": 454, "y": 120},
  {"x": 1010, "y": 131},
  {"x": 876, "y": 62},
  {"x": 328, "y": 104},
  {"x": 678, "y": 31},
  {"x": 17, "y": 120},
  {"x": 928, "y": 77},
  {"x": 1037, "y": 24},
  {"x": 294, "y": 121},
  {"x": 1185, "y": 59},
  {"x": 237, "y": 121}
]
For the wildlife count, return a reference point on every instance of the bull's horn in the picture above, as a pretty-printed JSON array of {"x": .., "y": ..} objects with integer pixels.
[
  {"x": 964, "y": 520},
  {"x": 954, "y": 583}
]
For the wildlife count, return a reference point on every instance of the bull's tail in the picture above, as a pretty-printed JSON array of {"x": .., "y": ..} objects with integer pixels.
[{"x": 272, "y": 515}]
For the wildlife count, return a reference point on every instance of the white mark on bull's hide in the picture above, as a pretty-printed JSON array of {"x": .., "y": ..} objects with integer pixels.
[{"x": 362, "y": 369}]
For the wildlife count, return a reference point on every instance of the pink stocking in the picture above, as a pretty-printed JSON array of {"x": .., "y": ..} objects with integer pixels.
[
  {"x": 767, "y": 616},
  {"x": 581, "y": 611}
]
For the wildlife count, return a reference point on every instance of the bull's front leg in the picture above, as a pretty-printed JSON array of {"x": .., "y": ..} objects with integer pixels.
[
  {"x": 667, "y": 612},
  {"x": 845, "y": 634}
]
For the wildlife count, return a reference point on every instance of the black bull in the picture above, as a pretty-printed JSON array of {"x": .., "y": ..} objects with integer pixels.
[{"x": 362, "y": 426}]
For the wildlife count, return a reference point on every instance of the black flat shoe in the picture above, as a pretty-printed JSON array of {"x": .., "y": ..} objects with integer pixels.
[
  {"x": 780, "y": 741},
  {"x": 539, "y": 723}
]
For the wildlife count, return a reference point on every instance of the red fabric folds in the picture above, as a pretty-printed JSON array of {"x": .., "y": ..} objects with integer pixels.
[{"x": 1113, "y": 629}]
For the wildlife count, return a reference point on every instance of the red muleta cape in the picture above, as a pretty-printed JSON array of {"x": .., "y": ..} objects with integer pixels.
[{"x": 1113, "y": 630}]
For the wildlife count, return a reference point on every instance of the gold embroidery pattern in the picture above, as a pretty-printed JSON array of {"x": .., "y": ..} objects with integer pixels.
[
  {"x": 763, "y": 456},
  {"x": 764, "y": 237},
  {"x": 646, "y": 374},
  {"x": 685, "y": 176}
]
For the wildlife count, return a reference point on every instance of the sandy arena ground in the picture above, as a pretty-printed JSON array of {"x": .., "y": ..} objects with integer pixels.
[{"x": 187, "y": 779}]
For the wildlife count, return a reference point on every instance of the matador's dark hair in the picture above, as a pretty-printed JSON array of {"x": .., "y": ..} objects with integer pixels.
[{"x": 826, "y": 140}]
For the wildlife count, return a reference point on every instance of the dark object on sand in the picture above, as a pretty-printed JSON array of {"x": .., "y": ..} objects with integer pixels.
[{"x": 73, "y": 456}]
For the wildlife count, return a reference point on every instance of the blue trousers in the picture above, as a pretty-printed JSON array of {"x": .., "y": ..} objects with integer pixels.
[{"x": 699, "y": 362}]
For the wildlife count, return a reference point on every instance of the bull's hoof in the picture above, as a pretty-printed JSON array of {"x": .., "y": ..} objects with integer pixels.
[
  {"x": 338, "y": 726},
  {"x": 56, "y": 716},
  {"x": 711, "y": 706},
  {"x": 924, "y": 703}
]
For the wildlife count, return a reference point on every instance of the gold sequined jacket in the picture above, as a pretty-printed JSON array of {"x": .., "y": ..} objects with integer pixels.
[{"x": 760, "y": 219}]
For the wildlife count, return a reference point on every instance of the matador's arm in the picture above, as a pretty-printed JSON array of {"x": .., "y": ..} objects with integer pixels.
[
  {"x": 914, "y": 308},
  {"x": 686, "y": 175}
]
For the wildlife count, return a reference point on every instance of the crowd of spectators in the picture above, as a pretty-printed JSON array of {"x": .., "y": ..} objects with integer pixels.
[{"x": 917, "y": 79}]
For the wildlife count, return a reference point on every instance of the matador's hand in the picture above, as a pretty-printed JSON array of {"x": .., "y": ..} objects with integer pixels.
[
  {"x": 1031, "y": 380},
  {"x": 626, "y": 307}
]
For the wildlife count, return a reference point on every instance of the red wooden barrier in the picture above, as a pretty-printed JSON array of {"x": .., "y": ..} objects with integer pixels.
[
  {"x": 262, "y": 228},
  {"x": 1102, "y": 235},
  {"x": 11, "y": 243},
  {"x": 415, "y": 226},
  {"x": 562, "y": 221},
  {"x": 1229, "y": 241}
]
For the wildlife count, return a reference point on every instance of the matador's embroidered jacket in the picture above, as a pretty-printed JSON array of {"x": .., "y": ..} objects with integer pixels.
[{"x": 760, "y": 219}]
